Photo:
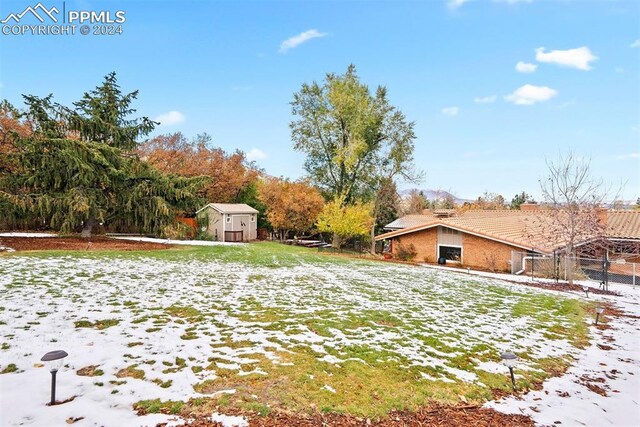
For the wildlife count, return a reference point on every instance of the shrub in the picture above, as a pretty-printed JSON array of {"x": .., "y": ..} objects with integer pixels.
[{"x": 406, "y": 253}]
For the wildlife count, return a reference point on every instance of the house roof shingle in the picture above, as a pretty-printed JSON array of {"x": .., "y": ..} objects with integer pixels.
[
  {"x": 524, "y": 229},
  {"x": 623, "y": 224},
  {"x": 408, "y": 221}
]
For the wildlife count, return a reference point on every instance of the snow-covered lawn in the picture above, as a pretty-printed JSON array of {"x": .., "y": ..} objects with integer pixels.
[
  {"x": 262, "y": 326},
  {"x": 603, "y": 387}
]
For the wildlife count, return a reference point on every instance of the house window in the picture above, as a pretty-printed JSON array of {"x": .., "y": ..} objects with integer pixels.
[
  {"x": 451, "y": 253},
  {"x": 228, "y": 219}
]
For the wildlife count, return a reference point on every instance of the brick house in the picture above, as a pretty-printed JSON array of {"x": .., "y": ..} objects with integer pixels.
[{"x": 488, "y": 239}]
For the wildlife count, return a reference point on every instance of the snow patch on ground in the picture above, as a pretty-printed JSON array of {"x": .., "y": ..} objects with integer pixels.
[
  {"x": 42, "y": 297},
  {"x": 611, "y": 363},
  {"x": 229, "y": 420},
  {"x": 328, "y": 388},
  {"x": 177, "y": 242},
  {"x": 21, "y": 234}
]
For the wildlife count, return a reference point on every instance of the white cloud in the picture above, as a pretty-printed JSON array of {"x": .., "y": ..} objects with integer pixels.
[
  {"x": 525, "y": 67},
  {"x": 485, "y": 99},
  {"x": 450, "y": 111},
  {"x": 171, "y": 118},
  {"x": 454, "y": 4},
  {"x": 619, "y": 70},
  {"x": 628, "y": 156},
  {"x": 635, "y": 44},
  {"x": 256, "y": 154},
  {"x": 579, "y": 58},
  {"x": 530, "y": 94},
  {"x": 297, "y": 40}
]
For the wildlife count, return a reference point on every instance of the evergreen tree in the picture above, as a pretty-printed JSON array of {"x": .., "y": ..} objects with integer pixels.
[
  {"x": 77, "y": 168},
  {"x": 250, "y": 195},
  {"x": 519, "y": 199},
  {"x": 386, "y": 205}
]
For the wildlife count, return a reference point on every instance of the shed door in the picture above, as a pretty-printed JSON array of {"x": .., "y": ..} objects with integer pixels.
[{"x": 241, "y": 223}]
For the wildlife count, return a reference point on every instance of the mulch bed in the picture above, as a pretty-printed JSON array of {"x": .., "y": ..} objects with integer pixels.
[
  {"x": 471, "y": 416},
  {"x": 563, "y": 287},
  {"x": 77, "y": 243}
]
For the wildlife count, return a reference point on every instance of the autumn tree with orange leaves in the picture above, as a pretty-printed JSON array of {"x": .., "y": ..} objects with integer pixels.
[
  {"x": 229, "y": 174},
  {"x": 291, "y": 205},
  {"x": 13, "y": 124}
]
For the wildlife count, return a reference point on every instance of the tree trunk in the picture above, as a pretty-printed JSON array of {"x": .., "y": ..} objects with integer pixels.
[
  {"x": 373, "y": 240},
  {"x": 88, "y": 227},
  {"x": 336, "y": 241},
  {"x": 569, "y": 264}
]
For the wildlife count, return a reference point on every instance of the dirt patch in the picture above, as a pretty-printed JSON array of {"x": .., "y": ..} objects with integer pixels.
[
  {"x": 76, "y": 243},
  {"x": 595, "y": 384},
  {"x": 564, "y": 287},
  {"x": 604, "y": 347},
  {"x": 426, "y": 417},
  {"x": 89, "y": 371}
]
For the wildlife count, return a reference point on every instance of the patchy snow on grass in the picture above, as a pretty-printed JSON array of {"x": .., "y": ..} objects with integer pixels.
[
  {"x": 160, "y": 326},
  {"x": 603, "y": 387}
]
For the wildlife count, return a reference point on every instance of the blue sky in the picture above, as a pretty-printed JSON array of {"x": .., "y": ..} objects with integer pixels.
[{"x": 483, "y": 122}]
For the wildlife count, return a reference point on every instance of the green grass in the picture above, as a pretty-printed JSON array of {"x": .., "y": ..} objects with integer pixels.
[
  {"x": 163, "y": 384},
  {"x": 156, "y": 406},
  {"x": 11, "y": 367},
  {"x": 131, "y": 372},
  {"x": 98, "y": 324}
]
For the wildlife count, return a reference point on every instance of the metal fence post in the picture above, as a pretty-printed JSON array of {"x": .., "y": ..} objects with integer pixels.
[
  {"x": 533, "y": 261},
  {"x": 606, "y": 270}
]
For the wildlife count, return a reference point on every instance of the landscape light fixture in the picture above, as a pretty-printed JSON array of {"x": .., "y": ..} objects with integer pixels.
[
  {"x": 599, "y": 311},
  {"x": 586, "y": 290},
  {"x": 53, "y": 360},
  {"x": 509, "y": 359}
]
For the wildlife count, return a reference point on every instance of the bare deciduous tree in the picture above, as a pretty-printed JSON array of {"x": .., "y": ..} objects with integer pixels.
[{"x": 573, "y": 200}]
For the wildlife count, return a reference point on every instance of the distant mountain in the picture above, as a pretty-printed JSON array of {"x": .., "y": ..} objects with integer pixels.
[{"x": 433, "y": 195}]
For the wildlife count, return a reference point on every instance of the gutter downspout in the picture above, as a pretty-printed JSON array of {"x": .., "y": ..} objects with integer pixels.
[{"x": 524, "y": 264}]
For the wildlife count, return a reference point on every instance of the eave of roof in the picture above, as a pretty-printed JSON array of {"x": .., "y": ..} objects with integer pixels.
[
  {"x": 436, "y": 223},
  {"x": 220, "y": 207},
  {"x": 523, "y": 229}
]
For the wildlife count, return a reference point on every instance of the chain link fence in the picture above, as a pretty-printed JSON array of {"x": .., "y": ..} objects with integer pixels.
[{"x": 560, "y": 267}]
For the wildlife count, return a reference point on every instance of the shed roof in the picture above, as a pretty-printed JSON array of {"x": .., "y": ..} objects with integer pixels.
[{"x": 230, "y": 208}]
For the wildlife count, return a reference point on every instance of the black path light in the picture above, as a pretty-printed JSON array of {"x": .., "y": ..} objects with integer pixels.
[
  {"x": 599, "y": 311},
  {"x": 509, "y": 359},
  {"x": 586, "y": 290},
  {"x": 53, "y": 360}
]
